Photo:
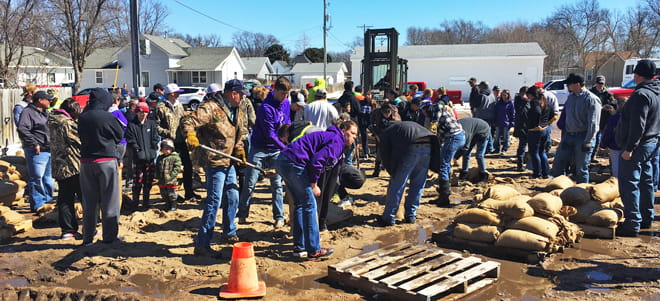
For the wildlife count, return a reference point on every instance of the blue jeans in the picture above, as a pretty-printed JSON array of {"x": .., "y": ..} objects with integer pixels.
[
  {"x": 348, "y": 154},
  {"x": 305, "y": 223},
  {"x": 261, "y": 158},
  {"x": 502, "y": 135},
  {"x": 656, "y": 170},
  {"x": 222, "y": 191},
  {"x": 449, "y": 148},
  {"x": 538, "y": 157},
  {"x": 636, "y": 185},
  {"x": 481, "y": 143},
  {"x": 570, "y": 149},
  {"x": 414, "y": 166},
  {"x": 39, "y": 181},
  {"x": 522, "y": 144}
]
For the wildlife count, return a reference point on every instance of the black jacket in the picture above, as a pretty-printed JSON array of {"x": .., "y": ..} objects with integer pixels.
[
  {"x": 476, "y": 130},
  {"x": 640, "y": 119},
  {"x": 349, "y": 97},
  {"x": 32, "y": 128},
  {"x": 486, "y": 108},
  {"x": 522, "y": 110},
  {"x": 100, "y": 131},
  {"x": 397, "y": 138},
  {"x": 143, "y": 138}
]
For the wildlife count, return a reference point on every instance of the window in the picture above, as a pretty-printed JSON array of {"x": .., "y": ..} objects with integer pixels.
[
  {"x": 199, "y": 77},
  {"x": 69, "y": 76},
  {"x": 144, "y": 76},
  {"x": 51, "y": 78},
  {"x": 629, "y": 69},
  {"x": 590, "y": 74},
  {"x": 559, "y": 85},
  {"x": 99, "y": 77},
  {"x": 173, "y": 77}
]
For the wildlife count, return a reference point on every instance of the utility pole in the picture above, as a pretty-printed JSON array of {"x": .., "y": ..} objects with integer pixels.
[
  {"x": 325, "y": 34},
  {"x": 364, "y": 27},
  {"x": 135, "y": 46},
  {"x": 364, "y": 30}
]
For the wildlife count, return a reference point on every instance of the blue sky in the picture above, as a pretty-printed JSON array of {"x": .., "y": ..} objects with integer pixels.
[{"x": 289, "y": 21}]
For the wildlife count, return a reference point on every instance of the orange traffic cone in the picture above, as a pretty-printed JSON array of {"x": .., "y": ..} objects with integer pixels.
[{"x": 243, "y": 281}]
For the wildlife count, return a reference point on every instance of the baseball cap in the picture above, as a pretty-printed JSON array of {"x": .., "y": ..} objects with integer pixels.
[
  {"x": 236, "y": 85},
  {"x": 321, "y": 92},
  {"x": 645, "y": 68},
  {"x": 300, "y": 100},
  {"x": 496, "y": 88},
  {"x": 167, "y": 142},
  {"x": 42, "y": 95},
  {"x": 212, "y": 88},
  {"x": 153, "y": 96},
  {"x": 142, "y": 106},
  {"x": 538, "y": 84},
  {"x": 600, "y": 79},
  {"x": 309, "y": 85},
  {"x": 172, "y": 88},
  {"x": 472, "y": 80},
  {"x": 574, "y": 78}
]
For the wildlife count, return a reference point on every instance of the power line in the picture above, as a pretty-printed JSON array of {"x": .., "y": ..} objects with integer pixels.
[
  {"x": 364, "y": 27},
  {"x": 212, "y": 18}
]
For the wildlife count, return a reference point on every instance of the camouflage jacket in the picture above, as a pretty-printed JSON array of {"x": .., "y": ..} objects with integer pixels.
[
  {"x": 215, "y": 129},
  {"x": 167, "y": 118},
  {"x": 250, "y": 117},
  {"x": 168, "y": 168},
  {"x": 64, "y": 145}
]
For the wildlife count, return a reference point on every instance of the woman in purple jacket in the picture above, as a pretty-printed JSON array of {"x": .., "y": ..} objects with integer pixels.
[
  {"x": 300, "y": 164},
  {"x": 504, "y": 120}
]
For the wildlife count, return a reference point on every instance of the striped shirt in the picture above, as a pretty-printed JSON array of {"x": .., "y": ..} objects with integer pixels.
[{"x": 447, "y": 125}]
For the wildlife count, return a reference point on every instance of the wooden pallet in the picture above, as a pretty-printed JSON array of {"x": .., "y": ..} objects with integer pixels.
[
  {"x": 446, "y": 240},
  {"x": 598, "y": 232},
  {"x": 404, "y": 271}
]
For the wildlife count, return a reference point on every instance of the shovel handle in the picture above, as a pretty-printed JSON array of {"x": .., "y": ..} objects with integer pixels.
[{"x": 228, "y": 156}]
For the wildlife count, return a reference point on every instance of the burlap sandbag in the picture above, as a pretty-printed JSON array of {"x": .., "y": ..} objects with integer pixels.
[
  {"x": 567, "y": 211},
  {"x": 513, "y": 209},
  {"x": 605, "y": 217},
  {"x": 545, "y": 203},
  {"x": 560, "y": 182},
  {"x": 14, "y": 176},
  {"x": 575, "y": 196},
  {"x": 8, "y": 188},
  {"x": 476, "y": 232},
  {"x": 21, "y": 184},
  {"x": 584, "y": 211},
  {"x": 477, "y": 216},
  {"x": 20, "y": 165},
  {"x": 616, "y": 203},
  {"x": 556, "y": 192},
  {"x": 519, "y": 239},
  {"x": 606, "y": 191},
  {"x": 537, "y": 225},
  {"x": 4, "y": 166},
  {"x": 521, "y": 197},
  {"x": 11, "y": 218},
  {"x": 501, "y": 192},
  {"x": 586, "y": 186}
]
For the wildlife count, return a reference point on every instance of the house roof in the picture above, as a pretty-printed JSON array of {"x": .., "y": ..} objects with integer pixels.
[
  {"x": 282, "y": 63},
  {"x": 301, "y": 58},
  {"x": 171, "y": 46},
  {"x": 463, "y": 50},
  {"x": 594, "y": 58},
  {"x": 253, "y": 64},
  {"x": 204, "y": 58},
  {"x": 101, "y": 58},
  {"x": 33, "y": 56},
  {"x": 318, "y": 67}
]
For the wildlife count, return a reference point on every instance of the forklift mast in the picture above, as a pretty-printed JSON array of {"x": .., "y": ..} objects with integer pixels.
[{"x": 382, "y": 69}]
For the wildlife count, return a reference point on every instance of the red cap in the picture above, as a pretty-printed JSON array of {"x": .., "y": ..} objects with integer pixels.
[
  {"x": 538, "y": 84},
  {"x": 142, "y": 106},
  {"x": 309, "y": 85}
]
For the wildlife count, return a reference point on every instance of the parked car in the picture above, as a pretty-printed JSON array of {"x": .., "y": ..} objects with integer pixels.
[
  {"x": 557, "y": 88},
  {"x": 626, "y": 90},
  {"x": 192, "y": 97},
  {"x": 82, "y": 96},
  {"x": 456, "y": 96}
]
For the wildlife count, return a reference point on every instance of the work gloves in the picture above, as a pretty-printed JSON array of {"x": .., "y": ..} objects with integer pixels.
[
  {"x": 240, "y": 153},
  {"x": 191, "y": 140}
]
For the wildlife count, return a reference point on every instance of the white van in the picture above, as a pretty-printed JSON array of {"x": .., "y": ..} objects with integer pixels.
[{"x": 629, "y": 66}]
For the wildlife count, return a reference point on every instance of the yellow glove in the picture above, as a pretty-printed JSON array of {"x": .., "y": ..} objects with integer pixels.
[
  {"x": 434, "y": 128},
  {"x": 191, "y": 139},
  {"x": 240, "y": 153}
]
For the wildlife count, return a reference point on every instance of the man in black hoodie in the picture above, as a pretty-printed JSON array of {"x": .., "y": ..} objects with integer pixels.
[
  {"x": 100, "y": 132},
  {"x": 637, "y": 135}
]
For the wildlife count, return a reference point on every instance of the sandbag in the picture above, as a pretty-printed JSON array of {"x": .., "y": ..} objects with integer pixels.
[
  {"x": 616, "y": 203},
  {"x": 538, "y": 226},
  {"x": 567, "y": 211},
  {"x": 587, "y": 186},
  {"x": 501, "y": 192},
  {"x": 606, "y": 191},
  {"x": 519, "y": 239},
  {"x": 21, "y": 184},
  {"x": 545, "y": 204},
  {"x": 514, "y": 209},
  {"x": 477, "y": 216},
  {"x": 11, "y": 218},
  {"x": 8, "y": 188},
  {"x": 521, "y": 197},
  {"x": 556, "y": 192},
  {"x": 575, "y": 196},
  {"x": 476, "y": 232},
  {"x": 605, "y": 217},
  {"x": 560, "y": 182},
  {"x": 584, "y": 211}
]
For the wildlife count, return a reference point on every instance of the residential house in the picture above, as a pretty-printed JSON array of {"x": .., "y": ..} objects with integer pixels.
[
  {"x": 281, "y": 67},
  {"x": 163, "y": 60},
  {"x": 508, "y": 65},
  {"x": 304, "y": 73},
  {"x": 39, "y": 67},
  {"x": 607, "y": 63},
  {"x": 256, "y": 67},
  {"x": 301, "y": 58}
]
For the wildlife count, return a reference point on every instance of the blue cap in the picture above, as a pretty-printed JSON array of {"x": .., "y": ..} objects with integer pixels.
[{"x": 236, "y": 85}]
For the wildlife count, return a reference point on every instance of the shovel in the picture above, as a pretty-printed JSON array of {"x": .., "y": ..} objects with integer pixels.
[
  {"x": 6, "y": 131},
  {"x": 268, "y": 173}
]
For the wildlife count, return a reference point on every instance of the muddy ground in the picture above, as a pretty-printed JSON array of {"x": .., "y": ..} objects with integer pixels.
[{"x": 155, "y": 259}]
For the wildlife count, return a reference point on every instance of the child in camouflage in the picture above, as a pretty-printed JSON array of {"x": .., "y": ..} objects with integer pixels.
[{"x": 168, "y": 167}]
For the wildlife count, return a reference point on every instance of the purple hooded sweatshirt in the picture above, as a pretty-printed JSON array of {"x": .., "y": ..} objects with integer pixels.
[
  {"x": 317, "y": 152},
  {"x": 270, "y": 116}
]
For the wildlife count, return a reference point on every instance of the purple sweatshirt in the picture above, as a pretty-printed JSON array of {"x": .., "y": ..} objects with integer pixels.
[
  {"x": 317, "y": 152},
  {"x": 270, "y": 116}
]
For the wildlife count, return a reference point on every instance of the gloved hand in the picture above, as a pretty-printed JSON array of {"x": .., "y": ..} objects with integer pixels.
[
  {"x": 191, "y": 139},
  {"x": 240, "y": 153},
  {"x": 586, "y": 147},
  {"x": 434, "y": 128}
]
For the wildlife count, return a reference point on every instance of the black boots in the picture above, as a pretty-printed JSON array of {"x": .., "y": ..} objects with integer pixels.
[
  {"x": 444, "y": 190},
  {"x": 519, "y": 165}
]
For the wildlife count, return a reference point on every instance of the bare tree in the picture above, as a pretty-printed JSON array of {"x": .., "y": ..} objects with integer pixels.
[
  {"x": 208, "y": 40},
  {"x": 510, "y": 33},
  {"x": 643, "y": 33},
  {"x": 253, "y": 44},
  {"x": 152, "y": 20},
  {"x": 16, "y": 23}
]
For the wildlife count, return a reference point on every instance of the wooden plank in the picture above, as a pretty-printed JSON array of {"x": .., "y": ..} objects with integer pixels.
[
  {"x": 440, "y": 273},
  {"x": 369, "y": 256},
  {"x": 420, "y": 269},
  {"x": 599, "y": 232},
  {"x": 386, "y": 259},
  {"x": 460, "y": 279},
  {"x": 532, "y": 257},
  {"x": 471, "y": 289},
  {"x": 404, "y": 263}
]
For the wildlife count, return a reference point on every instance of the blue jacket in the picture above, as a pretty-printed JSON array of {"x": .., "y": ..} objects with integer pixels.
[
  {"x": 505, "y": 113},
  {"x": 608, "y": 140},
  {"x": 270, "y": 116},
  {"x": 317, "y": 152}
]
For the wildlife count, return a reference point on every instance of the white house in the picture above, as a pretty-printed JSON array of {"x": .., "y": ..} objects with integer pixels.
[
  {"x": 304, "y": 73},
  {"x": 256, "y": 67},
  {"x": 39, "y": 67},
  {"x": 163, "y": 60},
  {"x": 508, "y": 65},
  {"x": 280, "y": 67}
]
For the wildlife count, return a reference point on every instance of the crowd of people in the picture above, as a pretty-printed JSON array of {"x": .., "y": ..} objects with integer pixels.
[{"x": 313, "y": 144}]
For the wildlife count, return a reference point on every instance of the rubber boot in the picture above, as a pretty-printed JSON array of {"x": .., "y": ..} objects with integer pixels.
[
  {"x": 145, "y": 200},
  {"x": 519, "y": 165},
  {"x": 444, "y": 190},
  {"x": 136, "y": 199},
  {"x": 172, "y": 200}
]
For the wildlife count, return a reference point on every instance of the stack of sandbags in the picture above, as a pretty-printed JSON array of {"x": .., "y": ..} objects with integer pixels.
[
  {"x": 12, "y": 222},
  {"x": 12, "y": 180},
  {"x": 597, "y": 205}
]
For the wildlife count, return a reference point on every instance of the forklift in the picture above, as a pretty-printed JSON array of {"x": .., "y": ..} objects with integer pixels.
[{"x": 382, "y": 68}]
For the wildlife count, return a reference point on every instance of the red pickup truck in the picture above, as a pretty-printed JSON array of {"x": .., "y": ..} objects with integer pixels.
[
  {"x": 454, "y": 95},
  {"x": 626, "y": 90}
]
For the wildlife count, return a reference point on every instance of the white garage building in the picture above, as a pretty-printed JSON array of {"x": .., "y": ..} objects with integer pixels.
[{"x": 507, "y": 65}]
